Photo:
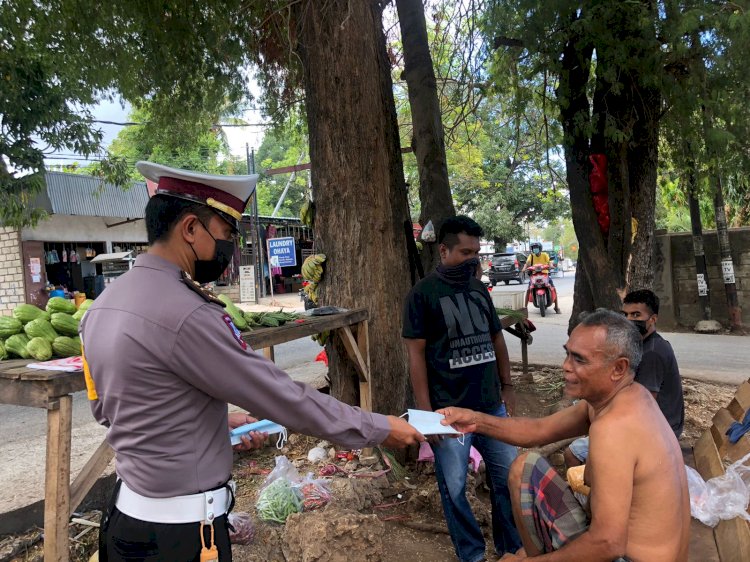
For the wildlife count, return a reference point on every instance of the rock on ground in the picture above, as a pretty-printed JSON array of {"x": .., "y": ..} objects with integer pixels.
[{"x": 332, "y": 535}]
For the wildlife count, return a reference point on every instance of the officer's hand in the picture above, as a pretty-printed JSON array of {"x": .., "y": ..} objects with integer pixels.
[
  {"x": 254, "y": 439},
  {"x": 460, "y": 419},
  {"x": 402, "y": 434}
]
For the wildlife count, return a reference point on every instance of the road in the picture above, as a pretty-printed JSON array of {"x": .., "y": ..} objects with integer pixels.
[{"x": 717, "y": 358}]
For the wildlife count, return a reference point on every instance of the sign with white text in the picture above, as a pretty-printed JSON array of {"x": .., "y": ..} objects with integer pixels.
[
  {"x": 282, "y": 252},
  {"x": 247, "y": 283}
]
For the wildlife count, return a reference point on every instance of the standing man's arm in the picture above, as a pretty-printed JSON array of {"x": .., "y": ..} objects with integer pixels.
[
  {"x": 418, "y": 373},
  {"x": 414, "y": 333},
  {"x": 503, "y": 370}
]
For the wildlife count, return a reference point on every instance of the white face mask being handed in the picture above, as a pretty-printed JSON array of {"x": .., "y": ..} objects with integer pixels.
[{"x": 262, "y": 426}]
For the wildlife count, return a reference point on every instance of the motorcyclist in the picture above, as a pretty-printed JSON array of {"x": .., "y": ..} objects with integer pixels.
[{"x": 538, "y": 257}]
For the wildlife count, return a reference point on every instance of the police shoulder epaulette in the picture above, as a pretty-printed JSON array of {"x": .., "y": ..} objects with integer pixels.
[{"x": 193, "y": 285}]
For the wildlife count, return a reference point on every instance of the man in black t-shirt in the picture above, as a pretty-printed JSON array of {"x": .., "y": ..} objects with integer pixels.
[
  {"x": 458, "y": 357},
  {"x": 658, "y": 370}
]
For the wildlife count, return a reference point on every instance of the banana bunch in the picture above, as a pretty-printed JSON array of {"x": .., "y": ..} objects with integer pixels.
[
  {"x": 307, "y": 213},
  {"x": 321, "y": 338},
  {"x": 312, "y": 268},
  {"x": 311, "y": 290}
]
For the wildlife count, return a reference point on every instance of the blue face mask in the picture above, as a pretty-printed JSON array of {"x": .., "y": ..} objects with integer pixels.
[{"x": 262, "y": 426}]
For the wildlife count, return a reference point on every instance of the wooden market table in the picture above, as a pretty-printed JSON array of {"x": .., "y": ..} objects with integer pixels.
[
  {"x": 53, "y": 390},
  {"x": 517, "y": 326},
  {"x": 350, "y": 326}
]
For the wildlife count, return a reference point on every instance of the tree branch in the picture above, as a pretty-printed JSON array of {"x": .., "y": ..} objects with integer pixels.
[{"x": 507, "y": 42}]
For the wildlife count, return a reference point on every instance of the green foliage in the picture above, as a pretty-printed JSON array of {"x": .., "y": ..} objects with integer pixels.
[
  {"x": 284, "y": 145},
  {"x": 205, "y": 149},
  {"x": 58, "y": 57},
  {"x": 504, "y": 164}
]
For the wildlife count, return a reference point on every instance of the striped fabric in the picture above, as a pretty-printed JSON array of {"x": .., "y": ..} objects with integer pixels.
[{"x": 551, "y": 514}]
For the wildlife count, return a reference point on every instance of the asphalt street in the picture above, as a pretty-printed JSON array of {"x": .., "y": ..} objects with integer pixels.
[{"x": 717, "y": 358}]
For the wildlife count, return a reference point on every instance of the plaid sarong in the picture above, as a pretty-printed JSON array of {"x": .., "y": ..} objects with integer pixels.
[{"x": 551, "y": 514}]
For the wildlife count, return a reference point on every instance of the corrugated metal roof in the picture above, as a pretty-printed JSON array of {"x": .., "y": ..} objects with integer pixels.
[{"x": 73, "y": 194}]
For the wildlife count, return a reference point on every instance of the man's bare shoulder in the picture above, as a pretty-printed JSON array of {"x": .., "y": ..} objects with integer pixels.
[{"x": 631, "y": 405}]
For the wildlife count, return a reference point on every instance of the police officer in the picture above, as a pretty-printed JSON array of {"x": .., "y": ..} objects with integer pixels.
[{"x": 162, "y": 359}]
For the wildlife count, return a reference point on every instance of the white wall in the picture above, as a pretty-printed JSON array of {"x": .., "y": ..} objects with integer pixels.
[{"x": 61, "y": 228}]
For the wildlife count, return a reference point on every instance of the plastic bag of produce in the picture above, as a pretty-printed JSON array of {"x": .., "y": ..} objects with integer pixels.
[{"x": 241, "y": 528}]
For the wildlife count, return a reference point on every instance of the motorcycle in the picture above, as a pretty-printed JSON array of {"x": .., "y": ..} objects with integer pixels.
[{"x": 542, "y": 294}]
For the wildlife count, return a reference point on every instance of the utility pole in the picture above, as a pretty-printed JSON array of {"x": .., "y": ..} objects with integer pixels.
[
  {"x": 706, "y": 324},
  {"x": 257, "y": 250}
]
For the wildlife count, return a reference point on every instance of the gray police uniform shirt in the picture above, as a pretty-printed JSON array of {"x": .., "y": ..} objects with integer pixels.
[{"x": 165, "y": 362}]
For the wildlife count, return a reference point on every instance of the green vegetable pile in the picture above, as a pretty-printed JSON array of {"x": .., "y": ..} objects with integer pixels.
[
  {"x": 245, "y": 321},
  {"x": 269, "y": 319},
  {"x": 278, "y": 501},
  {"x": 33, "y": 333}
]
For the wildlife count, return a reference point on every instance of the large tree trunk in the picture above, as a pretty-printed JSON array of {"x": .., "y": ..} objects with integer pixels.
[
  {"x": 624, "y": 127},
  {"x": 643, "y": 158},
  {"x": 358, "y": 183},
  {"x": 596, "y": 286},
  {"x": 428, "y": 140}
]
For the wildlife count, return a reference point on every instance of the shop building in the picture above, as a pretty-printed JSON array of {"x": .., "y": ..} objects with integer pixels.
[{"x": 87, "y": 219}]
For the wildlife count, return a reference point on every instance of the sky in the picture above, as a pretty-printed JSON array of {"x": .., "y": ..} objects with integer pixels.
[{"x": 118, "y": 112}]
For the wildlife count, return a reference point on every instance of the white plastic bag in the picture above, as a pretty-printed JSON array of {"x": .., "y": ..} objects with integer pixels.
[
  {"x": 722, "y": 497},
  {"x": 428, "y": 233},
  {"x": 283, "y": 469},
  {"x": 311, "y": 493}
]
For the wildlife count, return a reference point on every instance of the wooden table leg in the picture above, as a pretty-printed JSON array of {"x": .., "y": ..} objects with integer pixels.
[
  {"x": 268, "y": 353},
  {"x": 363, "y": 343},
  {"x": 57, "y": 487}
]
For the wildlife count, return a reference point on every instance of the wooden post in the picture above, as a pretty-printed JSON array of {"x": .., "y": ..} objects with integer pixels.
[
  {"x": 89, "y": 474},
  {"x": 525, "y": 354},
  {"x": 268, "y": 353},
  {"x": 363, "y": 343},
  {"x": 57, "y": 487}
]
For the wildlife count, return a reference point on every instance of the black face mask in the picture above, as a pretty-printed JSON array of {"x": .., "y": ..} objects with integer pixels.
[
  {"x": 210, "y": 270},
  {"x": 641, "y": 326},
  {"x": 459, "y": 274}
]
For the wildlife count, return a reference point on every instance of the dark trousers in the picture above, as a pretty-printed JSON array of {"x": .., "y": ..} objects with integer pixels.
[{"x": 122, "y": 537}]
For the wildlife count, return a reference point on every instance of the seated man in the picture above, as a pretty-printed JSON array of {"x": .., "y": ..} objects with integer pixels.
[
  {"x": 639, "y": 508},
  {"x": 658, "y": 370},
  {"x": 537, "y": 257}
]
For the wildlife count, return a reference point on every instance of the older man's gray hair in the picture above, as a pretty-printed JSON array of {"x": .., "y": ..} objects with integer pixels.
[{"x": 622, "y": 335}]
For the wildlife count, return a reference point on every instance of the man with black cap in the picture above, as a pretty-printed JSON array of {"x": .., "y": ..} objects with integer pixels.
[{"x": 162, "y": 359}]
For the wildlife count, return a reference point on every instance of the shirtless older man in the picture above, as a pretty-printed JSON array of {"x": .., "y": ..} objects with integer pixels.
[{"x": 639, "y": 508}]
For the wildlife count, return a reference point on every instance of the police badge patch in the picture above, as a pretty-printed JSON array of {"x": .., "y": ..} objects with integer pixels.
[{"x": 235, "y": 332}]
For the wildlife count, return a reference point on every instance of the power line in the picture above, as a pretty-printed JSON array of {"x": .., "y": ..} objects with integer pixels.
[{"x": 136, "y": 124}]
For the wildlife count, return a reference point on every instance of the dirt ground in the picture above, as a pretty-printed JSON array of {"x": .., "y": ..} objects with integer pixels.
[{"x": 398, "y": 518}]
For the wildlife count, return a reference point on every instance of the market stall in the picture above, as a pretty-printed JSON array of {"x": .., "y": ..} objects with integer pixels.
[{"x": 52, "y": 390}]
